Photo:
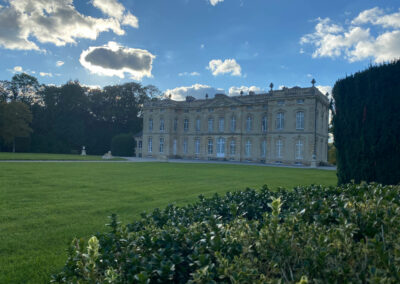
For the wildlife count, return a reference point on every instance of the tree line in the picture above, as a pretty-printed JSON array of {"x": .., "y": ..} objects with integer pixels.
[{"x": 62, "y": 119}]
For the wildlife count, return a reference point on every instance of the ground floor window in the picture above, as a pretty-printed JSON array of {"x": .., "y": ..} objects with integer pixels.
[
  {"x": 150, "y": 145},
  {"x": 279, "y": 148},
  {"x": 140, "y": 144},
  {"x": 232, "y": 147},
  {"x": 210, "y": 147},
  {"x": 264, "y": 148},
  {"x": 197, "y": 146},
  {"x": 299, "y": 150},
  {"x": 185, "y": 146},
  {"x": 221, "y": 146},
  {"x": 174, "y": 147},
  {"x": 161, "y": 145},
  {"x": 248, "y": 148}
]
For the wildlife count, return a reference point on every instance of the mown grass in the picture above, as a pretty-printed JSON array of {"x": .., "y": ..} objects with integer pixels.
[
  {"x": 50, "y": 157},
  {"x": 43, "y": 206}
]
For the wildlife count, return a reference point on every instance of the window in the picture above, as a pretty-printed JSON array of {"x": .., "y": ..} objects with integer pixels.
[
  {"x": 161, "y": 145},
  {"x": 233, "y": 123},
  {"x": 279, "y": 146},
  {"x": 300, "y": 101},
  {"x": 248, "y": 148},
  {"x": 174, "y": 148},
  {"x": 233, "y": 107},
  {"x": 185, "y": 146},
  {"x": 280, "y": 120},
  {"x": 186, "y": 111},
  {"x": 197, "y": 146},
  {"x": 264, "y": 148},
  {"x": 299, "y": 150},
  {"x": 175, "y": 124},
  {"x": 249, "y": 107},
  {"x": 281, "y": 102},
  {"x": 186, "y": 125},
  {"x": 162, "y": 110},
  {"x": 221, "y": 146},
  {"x": 210, "y": 109},
  {"x": 221, "y": 124},
  {"x": 210, "y": 125},
  {"x": 150, "y": 124},
  {"x": 198, "y": 110},
  {"x": 140, "y": 144},
  {"x": 198, "y": 124},
  {"x": 150, "y": 145},
  {"x": 162, "y": 125},
  {"x": 232, "y": 146},
  {"x": 265, "y": 106},
  {"x": 300, "y": 120},
  {"x": 248, "y": 123},
  {"x": 264, "y": 124},
  {"x": 210, "y": 147}
]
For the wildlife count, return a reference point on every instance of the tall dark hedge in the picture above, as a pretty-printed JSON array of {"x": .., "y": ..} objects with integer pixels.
[
  {"x": 366, "y": 125},
  {"x": 123, "y": 145}
]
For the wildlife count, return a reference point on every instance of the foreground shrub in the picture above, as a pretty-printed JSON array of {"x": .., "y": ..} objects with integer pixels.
[{"x": 310, "y": 234}]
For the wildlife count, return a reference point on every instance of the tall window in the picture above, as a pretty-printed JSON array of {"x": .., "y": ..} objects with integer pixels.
[
  {"x": 233, "y": 123},
  {"x": 162, "y": 125},
  {"x": 248, "y": 123},
  {"x": 221, "y": 146},
  {"x": 232, "y": 147},
  {"x": 210, "y": 147},
  {"x": 221, "y": 124},
  {"x": 300, "y": 120},
  {"x": 185, "y": 146},
  {"x": 140, "y": 144},
  {"x": 280, "y": 120},
  {"x": 175, "y": 124},
  {"x": 161, "y": 145},
  {"x": 174, "y": 147},
  {"x": 264, "y": 148},
  {"x": 279, "y": 148},
  {"x": 198, "y": 124},
  {"x": 264, "y": 124},
  {"x": 186, "y": 125},
  {"x": 150, "y": 145},
  {"x": 197, "y": 146},
  {"x": 150, "y": 124},
  {"x": 299, "y": 150},
  {"x": 248, "y": 148},
  {"x": 210, "y": 125}
]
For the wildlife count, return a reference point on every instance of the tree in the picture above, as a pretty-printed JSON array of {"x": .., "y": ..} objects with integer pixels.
[
  {"x": 23, "y": 87},
  {"x": 15, "y": 118}
]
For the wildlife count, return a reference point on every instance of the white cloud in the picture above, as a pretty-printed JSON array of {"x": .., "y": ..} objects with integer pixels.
[
  {"x": 325, "y": 89},
  {"x": 202, "y": 46},
  {"x": 215, "y": 2},
  {"x": 355, "y": 41},
  {"x": 56, "y": 22},
  {"x": 17, "y": 69},
  {"x": 44, "y": 74},
  {"x": 197, "y": 91},
  {"x": 235, "y": 91},
  {"x": 59, "y": 63},
  {"x": 217, "y": 67},
  {"x": 189, "y": 74},
  {"x": 115, "y": 60}
]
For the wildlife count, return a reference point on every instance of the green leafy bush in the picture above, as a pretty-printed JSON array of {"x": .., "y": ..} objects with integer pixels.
[
  {"x": 311, "y": 234},
  {"x": 123, "y": 145}
]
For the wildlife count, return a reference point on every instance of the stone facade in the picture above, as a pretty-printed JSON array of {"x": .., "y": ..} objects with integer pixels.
[{"x": 288, "y": 126}]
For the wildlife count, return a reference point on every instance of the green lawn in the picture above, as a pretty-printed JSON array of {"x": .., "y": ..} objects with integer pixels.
[
  {"x": 49, "y": 157},
  {"x": 44, "y": 205}
]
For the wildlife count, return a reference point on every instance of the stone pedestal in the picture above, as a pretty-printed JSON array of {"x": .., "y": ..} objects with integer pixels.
[
  {"x": 313, "y": 162},
  {"x": 83, "y": 153}
]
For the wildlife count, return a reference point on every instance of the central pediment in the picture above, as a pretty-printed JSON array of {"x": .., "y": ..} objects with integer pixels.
[{"x": 221, "y": 100}]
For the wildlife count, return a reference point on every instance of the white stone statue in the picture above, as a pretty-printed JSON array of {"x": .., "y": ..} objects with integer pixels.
[
  {"x": 107, "y": 156},
  {"x": 83, "y": 153}
]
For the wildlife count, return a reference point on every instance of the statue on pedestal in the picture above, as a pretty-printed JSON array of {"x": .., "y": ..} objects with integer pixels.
[{"x": 83, "y": 153}]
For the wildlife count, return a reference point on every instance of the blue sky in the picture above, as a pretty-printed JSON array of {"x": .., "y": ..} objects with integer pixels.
[{"x": 190, "y": 47}]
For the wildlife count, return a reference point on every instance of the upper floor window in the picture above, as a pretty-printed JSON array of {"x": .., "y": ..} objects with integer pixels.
[
  {"x": 300, "y": 101},
  {"x": 249, "y": 123},
  {"x": 280, "y": 120},
  {"x": 150, "y": 124},
  {"x": 186, "y": 125},
  {"x": 162, "y": 110},
  {"x": 186, "y": 111},
  {"x": 248, "y": 148},
  {"x": 300, "y": 120},
  {"x": 221, "y": 124},
  {"x": 279, "y": 148},
  {"x": 150, "y": 145},
  {"x": 281, "y": 102},
  {"x": 210, "y": 109},
  {"x": 162, "y": 125},
  {"x": 249, "y": 107},
  {"x": 264, "y": 124},
  {"x": 198, "y": 110},
  {"x": 299, "y": 150},
  {"x": 198, "y": 124},
  {"x": 233, "y": 123},
  {"x": 140, "y": 144},
  {"x": 233, "y": 107},
  {"x": 175, "y": 124},
  {"x": 265, "y": 106},
  {"x": 210, "y": 146},
  {"x": 210, "y": 125},
  {"x": 161, "y": 145}
]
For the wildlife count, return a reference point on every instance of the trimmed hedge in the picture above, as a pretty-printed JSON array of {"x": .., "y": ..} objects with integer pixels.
[
  {"x": 366, "y": 125},
  {"x": 123, "y": 145},
  {"x": 311, "y": 234}
]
